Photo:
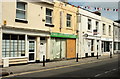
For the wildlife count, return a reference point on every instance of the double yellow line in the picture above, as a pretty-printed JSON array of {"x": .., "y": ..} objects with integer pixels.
[{"x": 29, "y": 72}]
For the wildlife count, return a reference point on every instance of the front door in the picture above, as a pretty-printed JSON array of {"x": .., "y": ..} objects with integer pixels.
[
  {"x": 32, "y": 47},
  {"x": 89, "y": 46},
  {"x": 42, "y": 49}
]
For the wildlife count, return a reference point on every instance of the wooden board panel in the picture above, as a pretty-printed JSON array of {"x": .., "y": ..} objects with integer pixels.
[{"x": 71, "y": 48}]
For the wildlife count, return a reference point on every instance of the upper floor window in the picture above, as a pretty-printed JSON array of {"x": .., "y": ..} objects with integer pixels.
[
  {"x": 116, "y": 31},
  {"x": 103, "y": 29},
  {"x": 89, "y": 24},
  {"x": 49, "y": 16},
  {"x": 21, "y": 10},
  {"x": 69, "y": 20},
  {"x": 109, "y": 30},
  {"x": 97, "y": 26}
]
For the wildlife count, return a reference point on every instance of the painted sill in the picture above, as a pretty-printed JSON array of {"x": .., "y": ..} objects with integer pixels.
[
  {"x": 50, "y": 25},
  {"x": 21, "y": 21},
  {"x": 69, "y": 28},
  {"x": 89, "y": 31}
]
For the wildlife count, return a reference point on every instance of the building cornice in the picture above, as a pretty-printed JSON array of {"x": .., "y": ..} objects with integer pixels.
[{"x": 25, "y": 29}]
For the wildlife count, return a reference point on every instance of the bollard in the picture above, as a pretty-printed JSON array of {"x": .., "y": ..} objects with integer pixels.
[
  {"x": 77, "y": 58},
  {"x": 110, "y": 55},
  {"x": 43, "y": 60},
  {"x": 97, "y": 55},
  {"x": 97, "y": 51}
]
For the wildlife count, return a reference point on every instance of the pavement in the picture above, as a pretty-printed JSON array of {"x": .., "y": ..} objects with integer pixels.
[{"x": 39, "y": 66}]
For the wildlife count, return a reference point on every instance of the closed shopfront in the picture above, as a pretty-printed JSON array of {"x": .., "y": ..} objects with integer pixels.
[
  {"x": 106, "y": 46},
  {"x": 71, "y": 48},
  {"x": 63, "y": 46},
  {"x": 58, "y": 48}
]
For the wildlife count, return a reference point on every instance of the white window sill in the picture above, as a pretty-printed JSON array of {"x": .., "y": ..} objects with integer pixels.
[{"x": 70, "y": 28}]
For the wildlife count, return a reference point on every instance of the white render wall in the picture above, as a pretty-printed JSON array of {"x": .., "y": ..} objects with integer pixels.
[
  {"x": 107, "y": 37},
  {"x": 116, "y": 32},
  {"x": 107, "y": 22},
  {"x": 0, "y": 33},
  {"x": 83, "y": 29},
  {"x": 37, "y": 10},
  {"x": 0, "y": 12},
  {"x": 116, "y": 36},
  {"x": 0, "y": 46}
]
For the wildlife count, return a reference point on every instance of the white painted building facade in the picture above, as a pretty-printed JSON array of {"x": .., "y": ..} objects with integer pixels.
[
  {"x": 116, "y": 37},
  {"x": 107, "y": 35},
  {"x": 100, "y": 44},
  {"x": 25, "y": 31},
  {"x": 89, "y": 43}
]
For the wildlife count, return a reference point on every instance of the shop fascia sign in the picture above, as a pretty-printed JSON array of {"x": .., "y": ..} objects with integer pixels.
[{"x": 63, "y": 35}]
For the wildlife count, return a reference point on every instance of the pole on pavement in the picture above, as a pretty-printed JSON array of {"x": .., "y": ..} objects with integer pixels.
[
  {"x": 110, "y": 54},
  {"x": 77, "y": 58},
  {"x": 97, "y": 51},
  {"x": 97, "y": 55},
  {"x": 110, "y": 50},
  {"x": 43, "y": 60}
]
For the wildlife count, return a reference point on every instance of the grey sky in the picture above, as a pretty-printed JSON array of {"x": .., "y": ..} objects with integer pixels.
[{"x": 101, "y": 4}]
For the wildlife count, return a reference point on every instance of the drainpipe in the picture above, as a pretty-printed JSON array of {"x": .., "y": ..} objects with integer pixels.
[
  {"x": 78, "y": 34},
  {"x": 113, "y": 39},
  {"x": 61, "y": 14}
]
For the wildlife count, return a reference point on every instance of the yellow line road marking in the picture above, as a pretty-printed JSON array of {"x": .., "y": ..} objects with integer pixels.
[{"x": 52, "y": 68}]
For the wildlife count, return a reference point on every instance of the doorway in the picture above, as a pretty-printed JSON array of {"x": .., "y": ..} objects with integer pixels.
[
  {"x": 42, "y": 48},
  {"x": 32, "y": 50}
]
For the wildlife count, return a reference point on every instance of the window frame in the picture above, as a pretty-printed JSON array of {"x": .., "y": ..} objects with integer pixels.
[
  {"x": 69, "y": 20},
  {"x": 89, "y": 23},
  {"x": 23, "y": 10},
  {"x": 97, "y": 26},
  {"x": 110, "y": 30},
  {"x": 15, "y": 50},
  {"x": 104, "y": 29},
  {"x": 50, "y": 16}
]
